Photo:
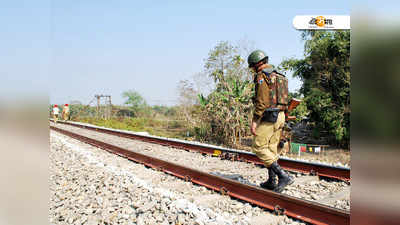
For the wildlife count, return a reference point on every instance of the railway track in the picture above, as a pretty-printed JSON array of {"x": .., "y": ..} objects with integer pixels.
[
  {"x": 307, "y": 211},
  {"x": 319, "y": 169}
]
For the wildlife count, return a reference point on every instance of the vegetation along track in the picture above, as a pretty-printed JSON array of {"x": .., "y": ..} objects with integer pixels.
[
  {"x": 333, "y": 193},
  {"x": 304, "y": 210}
]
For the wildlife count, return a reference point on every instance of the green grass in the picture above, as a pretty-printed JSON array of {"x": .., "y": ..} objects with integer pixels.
[{"x": 172, "y": 129}]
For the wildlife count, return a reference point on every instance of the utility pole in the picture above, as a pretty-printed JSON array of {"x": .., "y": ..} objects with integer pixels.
[
  {"x": 98, "y": 105},
  {"x": 106, "y": 112}
]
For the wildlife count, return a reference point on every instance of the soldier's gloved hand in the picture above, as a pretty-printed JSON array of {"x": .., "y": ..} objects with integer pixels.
[{"x": 253, "y": 128}]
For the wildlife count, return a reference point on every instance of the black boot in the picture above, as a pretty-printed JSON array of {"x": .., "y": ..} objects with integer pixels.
[
  {"x": 284, "y": 178},
  {"x": 270, "y": 184}
]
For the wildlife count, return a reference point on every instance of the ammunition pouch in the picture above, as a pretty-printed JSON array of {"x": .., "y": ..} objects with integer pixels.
[{"x": 270, "y": 115}]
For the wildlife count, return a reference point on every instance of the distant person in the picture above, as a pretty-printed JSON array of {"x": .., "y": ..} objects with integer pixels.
[
  {"x": 270, "y": 101},
  {"x": 56, "y": 111},
  {"x": 65, "y": 112}
]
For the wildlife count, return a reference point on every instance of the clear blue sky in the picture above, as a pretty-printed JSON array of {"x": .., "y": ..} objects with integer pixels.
[{"x": 107, "y": 47}]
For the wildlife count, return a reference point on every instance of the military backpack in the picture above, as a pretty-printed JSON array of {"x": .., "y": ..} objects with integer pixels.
[{"x": 278, "y": 87}]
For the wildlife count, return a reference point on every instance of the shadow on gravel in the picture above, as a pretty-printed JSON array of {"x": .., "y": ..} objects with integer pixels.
[{"x": 235, "y": 177}]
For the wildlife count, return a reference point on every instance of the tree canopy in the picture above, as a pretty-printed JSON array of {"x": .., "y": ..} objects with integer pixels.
[
  {"x": 134, "y": 100},
  {"x": 325, "y": 72}
]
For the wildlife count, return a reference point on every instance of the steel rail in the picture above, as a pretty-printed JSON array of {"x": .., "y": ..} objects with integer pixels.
[
  {"x": 304, "y": 210},
  {"x": 319, "y": 169}
]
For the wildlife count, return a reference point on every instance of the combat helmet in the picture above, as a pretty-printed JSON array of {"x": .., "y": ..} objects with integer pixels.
[{"x": 256, "y": 56}]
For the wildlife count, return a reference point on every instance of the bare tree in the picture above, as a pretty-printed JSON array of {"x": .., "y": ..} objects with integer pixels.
[
  {"x": 187, "y": 99},
  {"x": 245, "y": 47},
  {"x": 202, "y": 83}
]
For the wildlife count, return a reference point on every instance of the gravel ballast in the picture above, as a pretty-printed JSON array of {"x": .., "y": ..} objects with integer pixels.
[{"x": 91, "y": 186}]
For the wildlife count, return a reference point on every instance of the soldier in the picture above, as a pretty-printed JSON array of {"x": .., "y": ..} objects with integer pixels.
[
  {"x": 56, "y": 111},
  {"x": 65, "y": 112},
  {"x": 270, "y": 102}
]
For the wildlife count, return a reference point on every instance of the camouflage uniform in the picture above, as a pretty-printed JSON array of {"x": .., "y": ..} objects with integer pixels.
[
  {"x": 266, "y": 140},
  {"x": 270, "y": 101}
]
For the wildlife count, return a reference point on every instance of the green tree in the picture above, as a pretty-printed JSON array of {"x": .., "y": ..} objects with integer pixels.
[
  {"x": 135, "y": 101},
  {"x": 226, "y": 110},
  {"x": 325, "y": 72}
]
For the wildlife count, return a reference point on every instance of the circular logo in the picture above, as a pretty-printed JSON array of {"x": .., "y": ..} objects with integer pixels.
[{"x": 320, "y": 21}]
